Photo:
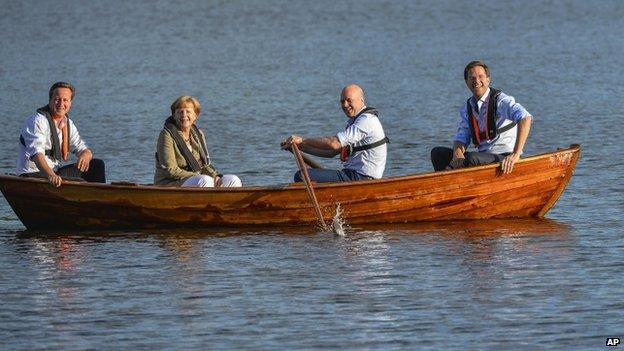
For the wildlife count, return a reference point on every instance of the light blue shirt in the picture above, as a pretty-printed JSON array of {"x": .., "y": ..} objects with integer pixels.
[{"x": 508, "y": 111}]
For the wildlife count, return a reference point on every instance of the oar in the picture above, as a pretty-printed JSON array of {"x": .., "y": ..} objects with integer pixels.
[
  {"x": 310, "y": 162},
  {"x": 308, "y": 184}
]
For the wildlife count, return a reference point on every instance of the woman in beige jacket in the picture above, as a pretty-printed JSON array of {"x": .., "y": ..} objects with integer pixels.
[{"x": 182, "y": 157}]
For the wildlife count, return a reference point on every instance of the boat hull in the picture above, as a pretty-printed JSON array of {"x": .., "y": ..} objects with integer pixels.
[{"x": 470, "y": 193}]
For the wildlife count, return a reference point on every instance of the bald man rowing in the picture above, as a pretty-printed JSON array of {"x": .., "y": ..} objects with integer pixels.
[{"x": 361, "y": 145}]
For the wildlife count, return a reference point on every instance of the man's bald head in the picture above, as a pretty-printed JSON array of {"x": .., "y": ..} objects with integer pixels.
[{"x": 352, "y": 100}]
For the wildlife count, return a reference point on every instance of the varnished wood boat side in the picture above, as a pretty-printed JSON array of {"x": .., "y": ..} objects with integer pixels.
[
  {"x": 470, "y": 193},
  {"x": 574, "y": 156}
]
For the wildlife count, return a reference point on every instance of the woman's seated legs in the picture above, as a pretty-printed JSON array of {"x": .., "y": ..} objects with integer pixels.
[
  {"x": 201, "y": 180},
  {"x": 230, "y": 181},
  {"x": 206, "y": 181}
]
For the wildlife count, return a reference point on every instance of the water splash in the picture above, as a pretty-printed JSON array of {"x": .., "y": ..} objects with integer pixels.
[{"x": 337, "y": 225}]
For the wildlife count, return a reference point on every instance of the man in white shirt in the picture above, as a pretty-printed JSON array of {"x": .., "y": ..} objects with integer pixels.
[
  {"x": 362, "y": 145},
  {"x": 497, "y": 125},
  {"x": 48, "y": 136}
]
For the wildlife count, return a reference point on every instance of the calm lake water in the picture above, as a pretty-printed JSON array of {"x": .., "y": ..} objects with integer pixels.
[{"x": 264, "y": 70}]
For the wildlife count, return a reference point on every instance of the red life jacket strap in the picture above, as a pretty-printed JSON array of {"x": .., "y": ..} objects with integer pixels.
[{"x": 344, "y": 153}]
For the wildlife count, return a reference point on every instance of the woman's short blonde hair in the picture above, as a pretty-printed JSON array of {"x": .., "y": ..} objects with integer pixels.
[{"x": 183, "y": 100}]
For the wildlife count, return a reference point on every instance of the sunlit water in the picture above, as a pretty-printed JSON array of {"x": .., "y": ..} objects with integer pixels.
[{"x": 267, "y": 69}]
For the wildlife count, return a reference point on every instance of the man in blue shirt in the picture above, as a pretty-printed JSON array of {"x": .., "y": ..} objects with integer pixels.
[{"x": 496, "y": 124}]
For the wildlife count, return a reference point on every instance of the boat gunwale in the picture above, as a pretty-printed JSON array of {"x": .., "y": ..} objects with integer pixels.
[{"x": 290, "y": 186}]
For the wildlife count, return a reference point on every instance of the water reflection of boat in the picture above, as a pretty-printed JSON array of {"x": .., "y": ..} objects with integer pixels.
[{"x": 471, "y": 193}]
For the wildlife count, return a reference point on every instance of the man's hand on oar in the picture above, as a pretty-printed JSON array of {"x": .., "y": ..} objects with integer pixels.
[{"x": 287, "y": 144}]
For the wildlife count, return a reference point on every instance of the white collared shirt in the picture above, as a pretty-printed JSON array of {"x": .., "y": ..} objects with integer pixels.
[
  {"x": 37, "y": 137},
  {"x": 365, "y": 130},
  {"x": 482, "y": 99}
]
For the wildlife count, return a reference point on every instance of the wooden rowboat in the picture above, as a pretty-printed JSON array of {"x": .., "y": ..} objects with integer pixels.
[{"x": 470, "y": 193}]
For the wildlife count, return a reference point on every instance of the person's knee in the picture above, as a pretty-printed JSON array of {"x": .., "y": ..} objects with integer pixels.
[
  {"x": 96, "y": 172},
  {"x": 231, "y": 181},
  {"x": 440, "y": 157},
  {"x": 202, "y": 180},
  {"x": 297, "y": 177},
  {"x": 437, "y": 151},
  {"x": 97, "y": 163},
  {"x": 472, "y": 159},
  {"x": 205, "y": 181}
]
